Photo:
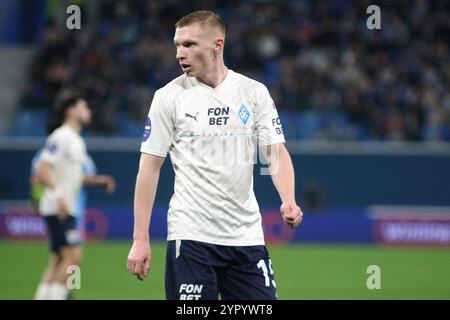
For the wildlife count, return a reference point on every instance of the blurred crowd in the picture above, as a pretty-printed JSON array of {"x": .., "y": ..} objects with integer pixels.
[{"x": 318, "y": 58}]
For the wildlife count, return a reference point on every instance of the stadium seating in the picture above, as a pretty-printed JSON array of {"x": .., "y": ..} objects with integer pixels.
[{"x": 331, "y": 77}]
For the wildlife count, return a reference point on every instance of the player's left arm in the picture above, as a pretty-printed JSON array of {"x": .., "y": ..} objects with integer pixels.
[
  {"x": 283, "y": 178},
  {"x": 271, "y": 141},
  {"x": 94, "y": 180}
]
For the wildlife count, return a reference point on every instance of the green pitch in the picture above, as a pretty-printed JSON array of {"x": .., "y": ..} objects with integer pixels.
[{"x": 301, "y": 272}]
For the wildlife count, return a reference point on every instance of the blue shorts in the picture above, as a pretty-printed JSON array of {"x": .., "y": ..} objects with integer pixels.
[
  {"x": 202, "y": 271},
  {"x": 62, "y": 233}
]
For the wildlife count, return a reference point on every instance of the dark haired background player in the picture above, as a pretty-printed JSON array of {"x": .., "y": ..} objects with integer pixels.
[
  {"x": 215, "y": 238},
  {"x": 63, "y": 167}
]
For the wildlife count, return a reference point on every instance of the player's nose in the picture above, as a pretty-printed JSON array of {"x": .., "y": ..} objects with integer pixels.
[{"x": 180, "y": 54}]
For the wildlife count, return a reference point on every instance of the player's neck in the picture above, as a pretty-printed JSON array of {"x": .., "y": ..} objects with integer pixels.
[
  {"x": 215, "y": 77},
  {"x": 75, "y": 125}
]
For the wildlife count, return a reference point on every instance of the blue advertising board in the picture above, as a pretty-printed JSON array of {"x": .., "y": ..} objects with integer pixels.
[{"x": 410, "y": 226}]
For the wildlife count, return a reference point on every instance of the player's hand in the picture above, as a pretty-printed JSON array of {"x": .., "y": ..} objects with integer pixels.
[
  {"x": 291, "y": 213},
  {"x": 139, "y": 259},
  {"x": 109, "y": 183},
  {"x": 63, "y": 209}
]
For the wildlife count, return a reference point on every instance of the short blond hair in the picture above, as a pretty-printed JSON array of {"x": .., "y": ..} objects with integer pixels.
[{"x": 204, "y": 17}]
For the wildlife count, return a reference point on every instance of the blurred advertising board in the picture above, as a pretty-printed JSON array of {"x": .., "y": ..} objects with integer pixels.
[
  {"x": 387, "y": 226},
  {"x": 411, "y": 225}
]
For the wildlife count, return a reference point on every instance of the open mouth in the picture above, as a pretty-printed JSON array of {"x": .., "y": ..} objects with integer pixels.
[{"x": 185, "y": 66}]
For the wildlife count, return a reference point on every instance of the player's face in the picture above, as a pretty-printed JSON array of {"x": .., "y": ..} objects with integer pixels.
[
  {"x": 83, "y": 112},
  {"x": 195, "y": 49}
]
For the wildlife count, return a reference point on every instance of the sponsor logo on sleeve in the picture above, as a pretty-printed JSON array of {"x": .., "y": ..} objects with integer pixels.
[
  {"x": 276, "y": 123},
  {"x": 147, "y": 129},
  {"x": 52, "y": 147}
]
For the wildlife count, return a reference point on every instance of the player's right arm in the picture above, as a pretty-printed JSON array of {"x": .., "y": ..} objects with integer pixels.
[
  {"x": 156, "y": 141},
  {"x": 44, "y": 175},
  {"x": 139, "y": 258}
]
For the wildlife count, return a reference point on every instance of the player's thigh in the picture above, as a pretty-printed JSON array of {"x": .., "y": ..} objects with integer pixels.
[
  {"x": 249, "y": 280},
  {"x": 189, "y": 273},
  {"x": 55, "y": 233},
  {"x": 71, "y": 254},
  {"x": 63, "y": 234}
]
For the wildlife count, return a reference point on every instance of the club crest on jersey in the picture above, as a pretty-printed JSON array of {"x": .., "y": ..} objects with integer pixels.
[
  {"x": 147, "y": 129},
  {"x": 244, "y": 114}
]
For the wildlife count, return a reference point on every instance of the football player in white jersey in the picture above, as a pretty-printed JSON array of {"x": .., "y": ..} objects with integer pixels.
[
  {"x": 60, "y": 170},
  {"x": 212, "y": 121},
  {"x": 91, "y": 179}
]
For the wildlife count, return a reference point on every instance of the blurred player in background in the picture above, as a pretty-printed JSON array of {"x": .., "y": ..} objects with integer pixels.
[
  {"x": 63, "y": 167},
  {"x": 215, "y": 238},
  {"x": 91, "y": 179}
]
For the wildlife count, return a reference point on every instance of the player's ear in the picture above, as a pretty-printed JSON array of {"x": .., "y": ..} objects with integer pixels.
[
  {"x": 219, "y": 44},
  {"x": 69, "y": 113}
]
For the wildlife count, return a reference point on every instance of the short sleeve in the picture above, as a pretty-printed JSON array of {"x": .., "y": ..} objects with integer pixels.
[
  {"x": 53, "y": 149},
  {"x": 158, "y": 129},
  {"x": 267, "y": 122}
]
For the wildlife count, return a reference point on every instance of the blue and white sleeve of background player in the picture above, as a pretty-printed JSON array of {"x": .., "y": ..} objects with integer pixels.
[
  {"x": 35, "y": 161},
  {"x": 158, "y": 130},
  {"x": 89, "y": 167},
  {"x": 267, "y": 122}
]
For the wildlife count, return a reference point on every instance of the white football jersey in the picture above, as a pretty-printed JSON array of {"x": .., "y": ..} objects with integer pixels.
[
  {"x": 65, "y": 151},
  {"x": 212, "y": 135}
]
